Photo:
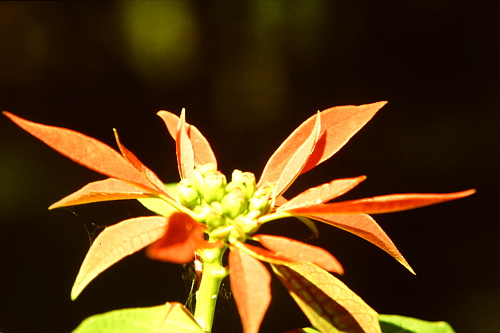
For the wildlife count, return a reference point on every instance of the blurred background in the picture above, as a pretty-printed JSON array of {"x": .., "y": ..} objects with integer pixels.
[{"x": 248, "y": 73}]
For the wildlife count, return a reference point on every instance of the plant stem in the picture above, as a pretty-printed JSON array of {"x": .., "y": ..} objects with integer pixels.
[{"x": 206, "y": 296}]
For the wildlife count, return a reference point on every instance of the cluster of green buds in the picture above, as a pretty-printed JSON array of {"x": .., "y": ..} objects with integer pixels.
[{"x": 228, "y": 209}]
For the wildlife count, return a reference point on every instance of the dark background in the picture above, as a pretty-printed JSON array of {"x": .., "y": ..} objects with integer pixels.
[{"x": 248, "y": 74}]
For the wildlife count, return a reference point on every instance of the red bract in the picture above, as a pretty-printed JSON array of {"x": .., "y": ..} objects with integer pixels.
[
  {"x": 205, "y": 212},
  {"x": 182, "y": 237}
]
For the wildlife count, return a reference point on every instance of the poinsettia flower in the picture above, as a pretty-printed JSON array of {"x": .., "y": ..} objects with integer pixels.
[{"x": 204, "y": 211}]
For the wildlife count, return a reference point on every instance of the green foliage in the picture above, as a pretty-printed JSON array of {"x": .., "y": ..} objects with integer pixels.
[
  {"x": 171, "y": 317},
  {"x": 398, "y": 324},
  {"x": 160, "y": 206},
  {"x": 401, "y": 324}
]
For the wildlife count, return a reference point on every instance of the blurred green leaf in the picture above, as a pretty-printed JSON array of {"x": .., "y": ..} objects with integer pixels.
[
  {"x": 171, "y": 317},
  {"x": 159, "y": 206},
  {"x": 400, "y": 324},
  {"x": 304, "y": 330}
]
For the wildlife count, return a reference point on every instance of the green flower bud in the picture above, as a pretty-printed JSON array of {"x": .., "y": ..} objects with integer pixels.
[
  {"x": 213, "y": 187},
  {"x": 254, "y": 214},
  {"x": 214, "y": 217},
  {"x": 249, "y": 224},
  {"x": 237, "y": 176},
  {"x": 259, "y": 203},
  {"x": 247, "y": 179},
  {"x": 221, "y": 232},
  {"x": 196, "y": 179},
  {"x": 233, "y": 186},
  {"x": 201, "y": 211},
  {"x": 262, "y": 200},
  {"x": 187, "y": 195},
  {"x": 234, "y": 203},
  {"x": 205, "y": 169},
  {"x": 251, "y": 228}
]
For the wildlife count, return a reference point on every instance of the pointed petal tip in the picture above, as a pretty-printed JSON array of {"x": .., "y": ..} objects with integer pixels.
[
  {"x": 76, "y": 290},
  {"x": 380, "y": 103},
  {"x": 164, "y": 113},
  {"x": 57, "y": 204},
  {"x": 468, "y": 192},
  {"x": 338, "y": 270},
  {"x": 74, "y": 295},
  {"x": 405, "y": 263},
  {"x": 16, "y": 119},
  {"x": 408, "y": 267},
  {"x": 461, "y": 194},
  {"x": 9, "y": 115}
]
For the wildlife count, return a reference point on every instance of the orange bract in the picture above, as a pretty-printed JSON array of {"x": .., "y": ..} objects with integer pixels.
[
  {"x": 182, "y": 237},
  {"x": 203, "y": 153},
  {"x": 250, "y": 284},
  {"x": 87, "y": 151},
  {"x": 228, "y": 221},
  {"x": 103, "y": 190},
  {"x": 339, "y": 124}
]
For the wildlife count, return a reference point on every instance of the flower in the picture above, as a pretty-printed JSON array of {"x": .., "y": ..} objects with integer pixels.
[{"x": 204, "y": 213}]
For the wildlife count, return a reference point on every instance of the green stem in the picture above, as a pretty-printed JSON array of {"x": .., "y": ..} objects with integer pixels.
[
  {"x": 273, "y": 216},
  {"x": 178, "y": 206},
  {"x": 206, "y": 296}
]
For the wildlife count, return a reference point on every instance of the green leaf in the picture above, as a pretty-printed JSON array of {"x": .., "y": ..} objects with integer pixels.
[
  {"x": 171, "y": 317},
  {"x": 400, "y": 324},
  {"x": 309, "y": 330},
  {"x": 159, "y": 206},
  {"x": 305, "y": 330},
  {"x": 328, "y": 303}
]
